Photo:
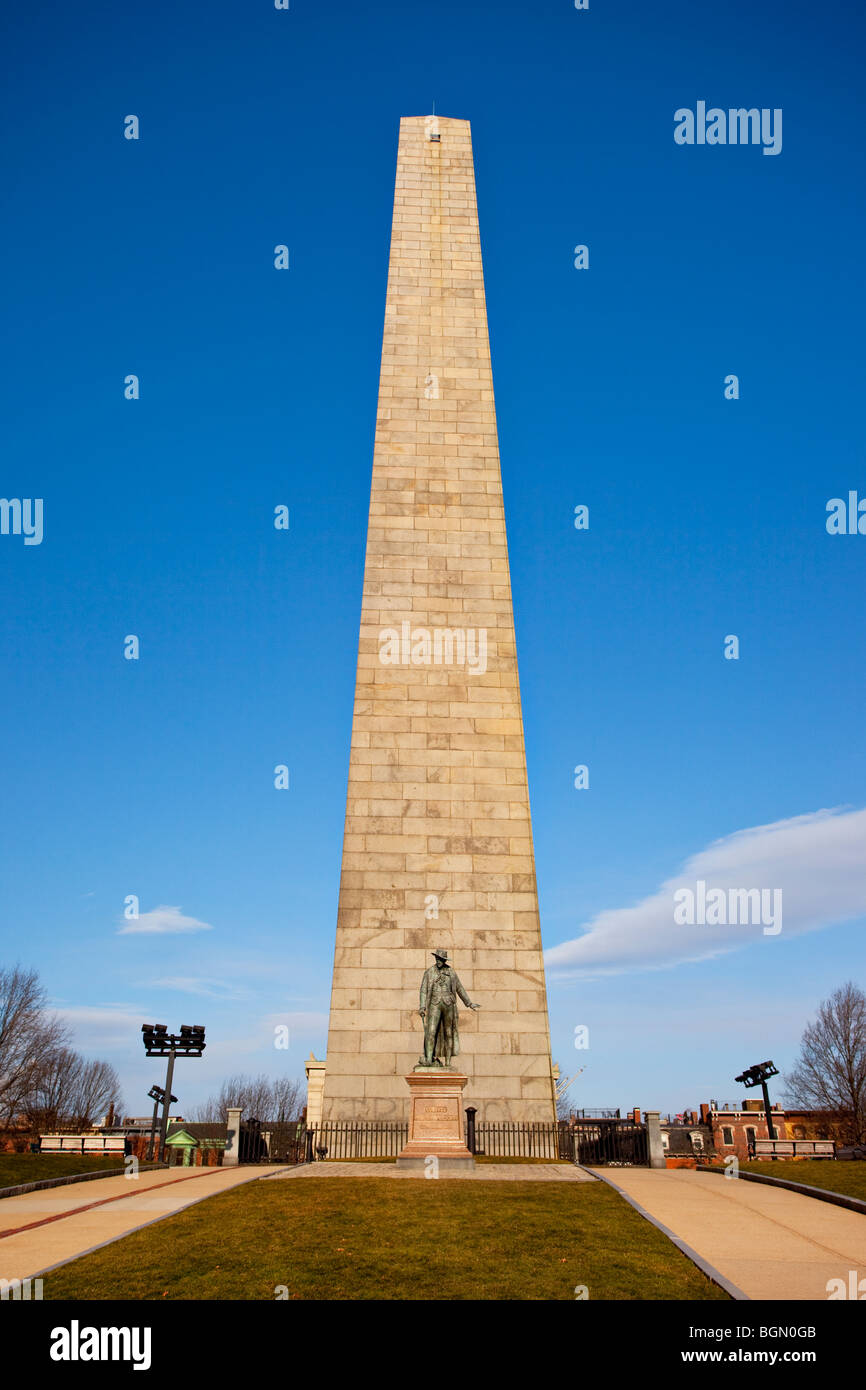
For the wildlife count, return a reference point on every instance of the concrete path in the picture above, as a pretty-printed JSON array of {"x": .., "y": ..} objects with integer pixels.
[
  {"x": 42, "y": 1229},
  {"x": 769, "y": 1242},
  {"x": 482, "y": 1172}
]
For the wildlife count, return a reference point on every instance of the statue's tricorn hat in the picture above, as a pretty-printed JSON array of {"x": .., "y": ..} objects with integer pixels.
[{"x": 440, "y": 953}]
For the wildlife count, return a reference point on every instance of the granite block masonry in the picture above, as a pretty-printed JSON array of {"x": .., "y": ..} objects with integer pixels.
[{"x": 438, "y": 843}]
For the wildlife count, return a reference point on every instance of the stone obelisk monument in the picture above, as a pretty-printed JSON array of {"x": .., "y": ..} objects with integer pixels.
[{"x": 438, "y": 845}]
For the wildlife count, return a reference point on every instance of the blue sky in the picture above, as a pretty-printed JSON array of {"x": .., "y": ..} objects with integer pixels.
[{"x": 258, "y": 387}]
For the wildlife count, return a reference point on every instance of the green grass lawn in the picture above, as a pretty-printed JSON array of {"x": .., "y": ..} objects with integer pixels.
[
  {"x": 849, "y": 1178},
  {"x": 18, "y": 1168},
  {"x": 378, "y": 1238}
]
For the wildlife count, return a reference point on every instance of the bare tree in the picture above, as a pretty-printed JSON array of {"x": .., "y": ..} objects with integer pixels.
[
  {"x": 259, "y": 1097},
  {"x": 255, "y": 1097},
  {"x": 72, "y": 1091},
  {"x": 29, "y": 1035},
  {"x": 51, "y": 1098},
  {"x": 208, "y": 1113},
  {"x": 235, "y": 1091},
  {"x": 288, "y": 1098},
  {"x": 830, "y": 1072},
  {"x": 96, "y": 1091},
  {"x": 564, "y": 1106}
]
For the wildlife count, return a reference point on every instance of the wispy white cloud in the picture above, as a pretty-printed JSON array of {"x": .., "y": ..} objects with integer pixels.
[
  {"x": 202, "y": 986},
  {"x": 818, "y": 861},
  {"x": 161, "y": 921},
  {"x": 102, "y": 1025}
]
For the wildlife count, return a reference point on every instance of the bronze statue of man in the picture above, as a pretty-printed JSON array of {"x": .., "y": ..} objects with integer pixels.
[{"x": 440, "y": 990}]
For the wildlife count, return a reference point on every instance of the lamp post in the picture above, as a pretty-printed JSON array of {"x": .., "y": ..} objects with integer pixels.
[
  {"x": 156, "y": 1094},
  {"x": 158, "y": 1042},
  {"x": 759, "y": 1075}
]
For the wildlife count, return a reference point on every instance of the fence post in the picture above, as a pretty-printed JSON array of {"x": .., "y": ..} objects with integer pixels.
[
  {"x": 655, "y": 1151},
  {"x": 471, "y": 1112},
  {"x": 231, "y": 1155},
  {"x": 308, "y": 1150}
]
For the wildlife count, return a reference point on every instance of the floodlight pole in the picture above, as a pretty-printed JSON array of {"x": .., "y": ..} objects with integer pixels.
[
  {"x": 153, "y": 1130},
  {"x": 158, "y": 1042},
  {"x": 166, "y": 1103},
  {"x": 767, "y": 1111}
]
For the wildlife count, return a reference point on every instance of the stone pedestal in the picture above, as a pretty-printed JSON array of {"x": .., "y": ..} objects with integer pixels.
[{"x": 436, "y": 1122}]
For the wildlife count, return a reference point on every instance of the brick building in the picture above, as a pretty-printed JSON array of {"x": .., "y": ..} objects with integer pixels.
[
  {"x": 715, "y": 1132},
  {"x": 732, "y": 1128}
]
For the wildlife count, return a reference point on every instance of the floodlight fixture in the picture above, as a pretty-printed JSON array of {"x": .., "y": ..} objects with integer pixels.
[
  {"x": 158, "y": 1042},
  {"x": 759, "y": 1075}
]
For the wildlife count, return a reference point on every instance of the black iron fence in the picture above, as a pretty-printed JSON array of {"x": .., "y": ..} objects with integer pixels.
[
  {"x": 286, "y": 1141},
  {"x": 584, "y": 1140},
  {"x": 334, "y": 1139},
  {"x": 486, "y": 1138},
  {"x": 272, "y": 1141},
  {"x": 526, "y": 1139},
  {"x": 615, "y": 1142}
]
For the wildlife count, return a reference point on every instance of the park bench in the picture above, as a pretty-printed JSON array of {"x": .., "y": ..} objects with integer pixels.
[
  {"x": 792, "y": 1148},
  {"x": 77, "y": 1144},
  {"x": 60, "y": 1143},
  {"x": 105, "y": 1144}
]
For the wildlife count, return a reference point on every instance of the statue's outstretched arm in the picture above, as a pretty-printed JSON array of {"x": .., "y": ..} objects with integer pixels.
[{"x": 461, "y": 994}]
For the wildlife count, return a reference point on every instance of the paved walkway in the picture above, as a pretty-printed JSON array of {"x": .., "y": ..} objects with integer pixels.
[
  {"x": 42, "y": 1229},
  {"x": 482, "y": 1172},
  {"x": 769, "y": 1242}
]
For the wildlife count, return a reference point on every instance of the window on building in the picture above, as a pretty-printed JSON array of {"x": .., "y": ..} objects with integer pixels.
[
  {"x": 727, "y": 1136},
  {"x": 751, "y": 1134},
  {"x": 665, "y": 1140},
  {"x": 697, "y": 1141}
]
